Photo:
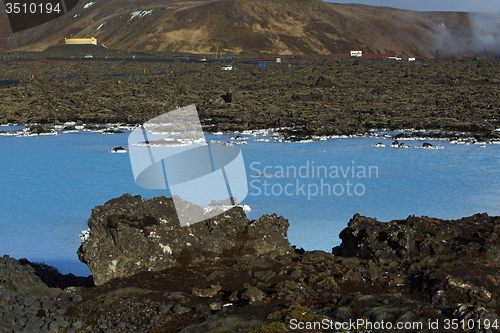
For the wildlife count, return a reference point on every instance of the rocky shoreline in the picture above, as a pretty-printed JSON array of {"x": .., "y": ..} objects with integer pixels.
[
  {"x": 274, "y": 135},
  {"x": 229, "y": 274},
  {"x": 302, "y": 99}
]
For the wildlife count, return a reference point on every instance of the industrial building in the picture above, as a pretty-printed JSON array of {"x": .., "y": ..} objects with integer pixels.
[{"x": 80, "y": 41}]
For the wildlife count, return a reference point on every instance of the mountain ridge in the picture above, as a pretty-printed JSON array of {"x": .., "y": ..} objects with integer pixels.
[{"x": 269, "y": 26}]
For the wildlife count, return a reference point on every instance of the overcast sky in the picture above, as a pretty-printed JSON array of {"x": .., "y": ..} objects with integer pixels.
[{"x": 488, "y": 6}]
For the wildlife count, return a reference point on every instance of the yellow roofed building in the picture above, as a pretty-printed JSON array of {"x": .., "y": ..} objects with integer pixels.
[{"x": 80, "y": 41}]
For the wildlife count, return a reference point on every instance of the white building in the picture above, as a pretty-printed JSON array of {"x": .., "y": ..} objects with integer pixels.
[{"x": 356, "y": 53}]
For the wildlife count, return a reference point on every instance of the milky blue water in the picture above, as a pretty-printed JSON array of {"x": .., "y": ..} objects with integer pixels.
[{"x": 49, "y": 184}]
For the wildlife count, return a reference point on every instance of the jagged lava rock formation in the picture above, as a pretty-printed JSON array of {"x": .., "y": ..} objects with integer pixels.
[
  {"x": 130, "y": 234},
  {"x": 415, "y": 271},
  {"x": 452, "y": 262},
  {"x": 419, "y": 237}
]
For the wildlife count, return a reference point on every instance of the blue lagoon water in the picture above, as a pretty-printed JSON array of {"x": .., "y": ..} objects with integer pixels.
[{"x": 49, "y": 185}]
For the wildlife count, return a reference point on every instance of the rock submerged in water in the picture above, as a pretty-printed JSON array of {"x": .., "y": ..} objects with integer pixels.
[
  {"x": 38, "y": 129},
  {"x": 397, "y": 144},
  {"x": 129, "y": 235},
  {"x": 378, "y": 144},
  {"x": 118, "y": 150}
]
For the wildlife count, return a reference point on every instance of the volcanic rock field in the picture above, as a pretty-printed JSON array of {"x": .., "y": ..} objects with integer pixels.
[{"x": 313, "y": 96}]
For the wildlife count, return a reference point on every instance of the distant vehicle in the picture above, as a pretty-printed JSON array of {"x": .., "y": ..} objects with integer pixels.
[
  {"x": 89, "y": 56},
  {"x": 202, "y": 59},
  {"x": 227, "y": 68}
]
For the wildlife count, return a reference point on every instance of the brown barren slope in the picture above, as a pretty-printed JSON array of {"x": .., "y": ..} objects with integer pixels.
[{"x": 269, "y": 26}]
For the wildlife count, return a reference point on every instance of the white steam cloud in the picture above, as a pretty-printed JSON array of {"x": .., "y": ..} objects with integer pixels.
[{"x": 483, "y": 37}]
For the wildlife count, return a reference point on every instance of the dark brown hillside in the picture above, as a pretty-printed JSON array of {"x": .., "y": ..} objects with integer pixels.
[{"x": 269, "y": 26}]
